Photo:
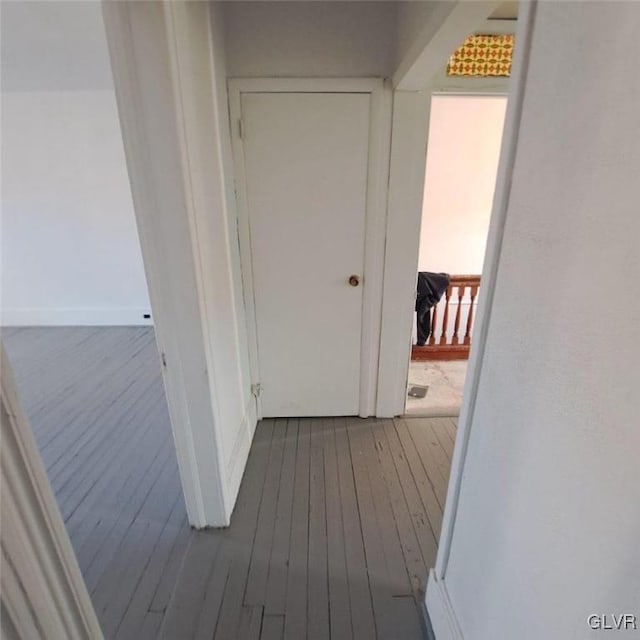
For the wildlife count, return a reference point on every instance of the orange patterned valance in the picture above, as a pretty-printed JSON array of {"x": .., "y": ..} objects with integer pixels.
[{"x": 482, "y": 56}]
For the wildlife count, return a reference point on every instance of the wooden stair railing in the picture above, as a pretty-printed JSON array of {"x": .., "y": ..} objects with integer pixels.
[{"x": 446, "y": 342}]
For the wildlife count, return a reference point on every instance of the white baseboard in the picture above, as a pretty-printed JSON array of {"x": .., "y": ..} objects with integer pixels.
[
  {"x": 444, "y": 622},
  {"x": 43, "y": 317},
  {"x": 238, "y": 459}
]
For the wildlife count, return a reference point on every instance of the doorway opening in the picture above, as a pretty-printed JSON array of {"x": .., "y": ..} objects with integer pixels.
[
  {"x": 76, "y": 316},
  {"x": 465, "y": 134}
]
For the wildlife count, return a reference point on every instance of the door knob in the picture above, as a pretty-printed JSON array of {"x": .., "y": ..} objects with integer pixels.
[{"x": 354, "y": 280}]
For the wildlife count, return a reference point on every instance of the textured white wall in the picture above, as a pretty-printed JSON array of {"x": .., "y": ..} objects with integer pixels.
[
  {"x": 465, "y": 133},
  {"x": 548, "y": 522},
  {"x": 70, "y": 250}
]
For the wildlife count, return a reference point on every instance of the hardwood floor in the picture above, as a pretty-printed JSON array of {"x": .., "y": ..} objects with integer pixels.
[
  {"x": 335, "y": 527},
  {"x": 96, "y": 404}
]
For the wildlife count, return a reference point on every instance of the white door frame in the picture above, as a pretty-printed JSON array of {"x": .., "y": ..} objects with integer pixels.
[
  {"x": 404, "y": 209},
  {"x": 172, "y": 104},
  {"x": 379, "y": 142}
]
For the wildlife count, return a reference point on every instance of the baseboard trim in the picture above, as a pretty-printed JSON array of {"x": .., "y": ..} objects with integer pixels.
[
  {"x": 440, "y": 611},
  {"x": 69, "y": 317}
]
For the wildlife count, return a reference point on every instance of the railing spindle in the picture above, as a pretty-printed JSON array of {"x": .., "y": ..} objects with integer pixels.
[
  {"x": 455, "y": 339},
  {"x": 434, "y": 319},
  {"x": 467, "y": 335},
  {"x": 445, "y": 317}
]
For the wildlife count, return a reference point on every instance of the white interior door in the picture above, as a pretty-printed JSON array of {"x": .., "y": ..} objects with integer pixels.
[{"x": 305, "y": 164}]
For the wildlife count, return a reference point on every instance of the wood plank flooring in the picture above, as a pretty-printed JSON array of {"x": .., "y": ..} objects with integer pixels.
[
  {"x": 334, "y": 531},
  {"x": 335, "y": 527},
  {"x": 96, "y": 404}
]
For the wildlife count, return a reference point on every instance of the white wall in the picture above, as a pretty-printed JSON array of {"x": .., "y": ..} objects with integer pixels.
[
  {"x": 70, "y": 245},
  {"x": 465, "y": 133},
  {"x": 310, "y": 39},
  {"x": 70, "y": 249},
  {"x": 546, "y": 530},
  {"x": 53, "y": 46}
]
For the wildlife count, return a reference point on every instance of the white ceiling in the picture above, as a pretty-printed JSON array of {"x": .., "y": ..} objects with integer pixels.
[{"x": 53, "y": 45}]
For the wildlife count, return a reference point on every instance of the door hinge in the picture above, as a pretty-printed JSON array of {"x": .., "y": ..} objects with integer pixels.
[
  {"x": 240, "y": 128},
  {"x": 256, "y": 390},
  {"x": 164, "y": 359}
]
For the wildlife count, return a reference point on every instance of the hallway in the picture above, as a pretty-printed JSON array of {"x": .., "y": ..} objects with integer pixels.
[{"x": 334, "y": 531}]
